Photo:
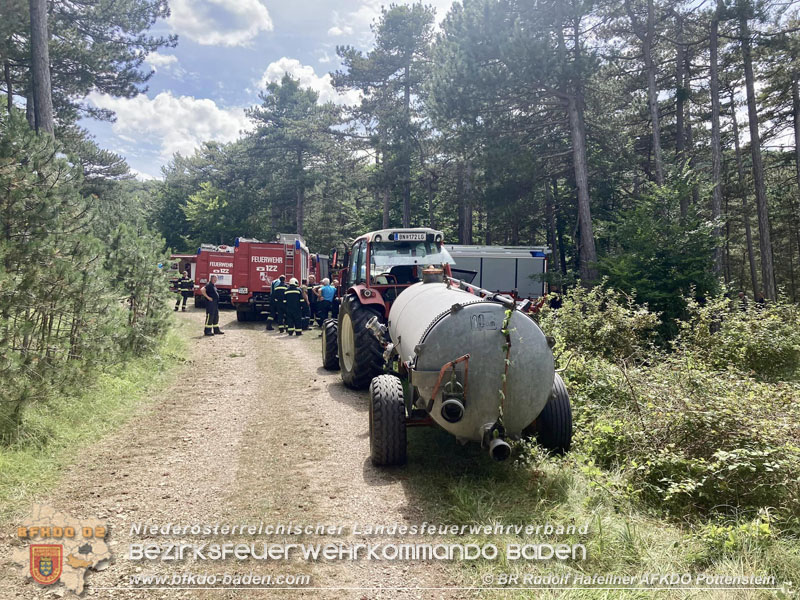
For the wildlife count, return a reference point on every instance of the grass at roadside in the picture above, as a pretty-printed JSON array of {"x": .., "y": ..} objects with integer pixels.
[
  {"x": 459, "y": 485},
  {"x": 59, "y": 428}
]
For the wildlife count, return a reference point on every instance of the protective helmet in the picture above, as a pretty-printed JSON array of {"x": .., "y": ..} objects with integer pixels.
[{"x": 293, "y": 281}]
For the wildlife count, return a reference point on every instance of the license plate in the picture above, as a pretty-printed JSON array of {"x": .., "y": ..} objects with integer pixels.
[
  {"x": 242, "y": 290},
  {"x": 409, "y": 237}
]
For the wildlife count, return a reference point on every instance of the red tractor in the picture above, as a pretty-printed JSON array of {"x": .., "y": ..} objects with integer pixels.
[{"x": 380, "y": 265}]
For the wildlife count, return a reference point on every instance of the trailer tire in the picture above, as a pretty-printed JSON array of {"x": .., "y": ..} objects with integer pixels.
[
  {"x": 554, "y": 424},
  {"x": 330, "y": 345},
  {"x": 199, "y": 302},
  {"x": 360, "y": 353},
  {"x": 387, "y": 421}
]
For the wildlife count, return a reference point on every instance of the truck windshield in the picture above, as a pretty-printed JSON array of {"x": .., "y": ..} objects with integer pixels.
[{"x": 385, "y": 255}]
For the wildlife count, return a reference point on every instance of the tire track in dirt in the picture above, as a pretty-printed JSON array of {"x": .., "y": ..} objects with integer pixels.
[{"x": 253, "y": 431}]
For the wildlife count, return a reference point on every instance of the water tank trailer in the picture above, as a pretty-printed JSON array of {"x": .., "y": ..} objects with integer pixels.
[{"x": 473, "y": 364}]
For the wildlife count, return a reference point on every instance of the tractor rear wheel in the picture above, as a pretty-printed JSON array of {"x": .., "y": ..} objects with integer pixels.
[
  {"x": 360, "y": 353},
  {"x": 387, "y": 421},
  {"x": 554, "y": 424},
  {"x": 330, "y": 345}
]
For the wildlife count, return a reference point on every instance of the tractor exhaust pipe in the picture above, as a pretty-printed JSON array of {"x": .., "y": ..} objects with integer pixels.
[{"x": 499, "y": 450}]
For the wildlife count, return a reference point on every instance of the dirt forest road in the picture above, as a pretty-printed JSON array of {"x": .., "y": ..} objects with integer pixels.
[{"x": 253, "y": 431}]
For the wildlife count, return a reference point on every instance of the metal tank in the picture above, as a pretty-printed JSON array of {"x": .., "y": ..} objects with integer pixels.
[{"x": 452, "y": 340}]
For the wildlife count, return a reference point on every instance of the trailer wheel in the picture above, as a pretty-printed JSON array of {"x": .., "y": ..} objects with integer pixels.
[
  {"x": 387, "y": 421},
  {"x": 330, "y": 345},
  {"x": 554, "y": 424},
  {"x": 360, "y": 353},
  {"x": 199, "y": 302}
]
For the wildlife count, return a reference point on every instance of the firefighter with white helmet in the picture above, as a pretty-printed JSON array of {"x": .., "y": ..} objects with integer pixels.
[{"x": 293, "y": 302}]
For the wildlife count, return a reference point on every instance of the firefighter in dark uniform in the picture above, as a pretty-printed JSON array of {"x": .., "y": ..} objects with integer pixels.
[
  {"x": 293, "y": 303},
  {"x": 278, "y": 309},
  {"x": 185, "y": 289},
  {"x": 212, "y": 307}
]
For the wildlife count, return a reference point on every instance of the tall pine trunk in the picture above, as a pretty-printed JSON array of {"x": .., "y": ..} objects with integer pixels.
[
  {"x": 751, "y": 259},
  {"x": 40, "y": 67},
  {"x": 587, "y": 254},
  {"x": 550, "y": 215},
  {"x": 764, "y": 237},
  {"x": 716, "y": 145}
]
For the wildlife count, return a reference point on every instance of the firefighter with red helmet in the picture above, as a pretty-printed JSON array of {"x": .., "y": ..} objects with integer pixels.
[{"x": 293, "y": 302}]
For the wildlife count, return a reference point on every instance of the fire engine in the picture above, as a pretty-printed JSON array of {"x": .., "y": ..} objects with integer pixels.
[
  {"x": 213, "y": 260},
  {"x": 257, "y": 264}
]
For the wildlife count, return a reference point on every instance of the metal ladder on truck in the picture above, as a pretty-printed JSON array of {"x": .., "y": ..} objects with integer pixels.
[{"x": 288, "y": 252}]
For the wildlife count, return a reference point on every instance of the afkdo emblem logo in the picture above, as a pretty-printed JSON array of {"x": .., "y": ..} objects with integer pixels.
[{"x": 46, "y": 562}]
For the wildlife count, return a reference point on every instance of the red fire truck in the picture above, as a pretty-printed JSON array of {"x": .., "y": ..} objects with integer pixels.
[
  {"x": 213, "y": 260},
  {"x": 257, "y": 264}
]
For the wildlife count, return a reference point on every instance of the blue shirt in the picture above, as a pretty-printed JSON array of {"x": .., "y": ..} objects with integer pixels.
[{"x": 328, "y": 292}]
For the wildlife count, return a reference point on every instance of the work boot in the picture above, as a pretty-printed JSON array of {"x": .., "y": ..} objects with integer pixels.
[
  {"x": 270, "y": 327},
  {"x": 298, "y": 333},
  {"x": 176, "y": 309},
  {"x": 183, "y": 309},
  {"x": 218, "y": 332},
  {"x": 208, "y": 333}
]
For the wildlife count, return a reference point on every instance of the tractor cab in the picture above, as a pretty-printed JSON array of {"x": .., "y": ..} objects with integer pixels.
[
  {"x": 382, "y": 263},
  {"x": 379, "y": 266}
]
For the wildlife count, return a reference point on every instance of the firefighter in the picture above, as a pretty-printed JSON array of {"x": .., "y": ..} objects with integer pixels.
[
  {"x": 211, "y": 295},
  {"x": 306, "y": 304},
  {"x": 293, "y": 302},
  {"x": 277, "y": 308},
  {"x": 311, "y": 295},
  {"x": 185, "y": 287}
]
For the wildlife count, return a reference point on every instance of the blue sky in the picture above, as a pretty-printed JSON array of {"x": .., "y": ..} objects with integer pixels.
[{"x": 227, "y": 50}]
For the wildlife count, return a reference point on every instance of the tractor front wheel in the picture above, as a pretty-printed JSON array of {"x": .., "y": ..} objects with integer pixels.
[{"x": 360, "y": 353}]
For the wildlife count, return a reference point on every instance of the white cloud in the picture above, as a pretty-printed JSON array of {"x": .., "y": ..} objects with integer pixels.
[
  {"x": 219, "y": 22},
  {"x": 368, "y": 11},
  {"x": 156, "y": 60},
  {"x": 175, "y": 124},
  {"x": 308, "y": 78},
  {"x": 141, "y": 175}
]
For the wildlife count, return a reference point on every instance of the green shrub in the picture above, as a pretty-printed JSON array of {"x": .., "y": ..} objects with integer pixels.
[
  {"x": 601, "y": 322},
  {"x": 760, "y": 341},
  {"x": 694, "y": 442}
]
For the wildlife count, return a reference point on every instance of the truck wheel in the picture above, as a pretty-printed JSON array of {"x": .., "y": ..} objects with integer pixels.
[
  {"x": 243, "y": 315},
  {"x": 554, "y": 424},
  {"x": 387, "y": 421},
  {"x": 199, "y": 302},
  {"x": 330, "y": 345},
  {"x": 360, "y": 353}
]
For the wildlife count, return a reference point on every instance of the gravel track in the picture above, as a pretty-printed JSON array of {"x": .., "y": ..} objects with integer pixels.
[{"x": 254, "y": 430}]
